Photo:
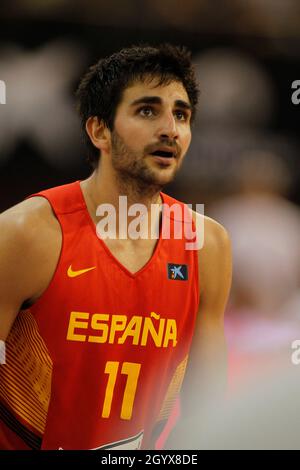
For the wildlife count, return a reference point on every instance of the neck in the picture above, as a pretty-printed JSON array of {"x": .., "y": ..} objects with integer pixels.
[{"x": 104, "y": 186}]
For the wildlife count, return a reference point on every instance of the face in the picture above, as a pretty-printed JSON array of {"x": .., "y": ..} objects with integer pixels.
[{"x": 151, "y": 132}]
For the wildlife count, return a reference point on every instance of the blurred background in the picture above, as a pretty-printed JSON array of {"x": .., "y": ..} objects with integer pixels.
[{"x": 244, "y": 161}]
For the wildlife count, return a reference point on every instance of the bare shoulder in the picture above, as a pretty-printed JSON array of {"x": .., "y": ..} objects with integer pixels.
[
  {"x": 214, "y": 257},
  {"x": 30, "y": 242},
  {"x": 29, "y": 225},
  {"x": 214, "y": 237},
  {"x": 28, "y": 214}
]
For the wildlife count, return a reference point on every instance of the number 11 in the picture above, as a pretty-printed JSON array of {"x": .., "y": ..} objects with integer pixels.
[{"x": 132, "y": 370}]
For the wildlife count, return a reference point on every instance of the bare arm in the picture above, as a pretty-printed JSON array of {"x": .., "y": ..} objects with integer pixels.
[
  {"x": 29, "y": 249},
  {"x": 205, "y": 380}
]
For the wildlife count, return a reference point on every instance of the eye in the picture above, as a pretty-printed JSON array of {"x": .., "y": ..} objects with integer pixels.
[
  {"x": 146, "y": 111},
  {"x": 181, "y": 115}
]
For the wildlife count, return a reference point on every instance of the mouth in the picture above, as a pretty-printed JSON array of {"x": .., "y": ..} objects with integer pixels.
[
  {"x": 164, "y": 158},
  {"x": 163, "y": 153}
]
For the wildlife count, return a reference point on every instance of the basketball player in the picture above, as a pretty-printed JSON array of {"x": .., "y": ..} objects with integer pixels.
[{"x": 100, "y": 331}]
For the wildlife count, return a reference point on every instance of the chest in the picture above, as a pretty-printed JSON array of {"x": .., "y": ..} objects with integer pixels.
[{"x": 133, "y": 255}]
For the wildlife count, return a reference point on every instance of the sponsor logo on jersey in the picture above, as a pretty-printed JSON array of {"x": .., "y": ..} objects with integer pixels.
[
  {"x": 72, "y": 273},
  {"x": 177, "y": 272}
]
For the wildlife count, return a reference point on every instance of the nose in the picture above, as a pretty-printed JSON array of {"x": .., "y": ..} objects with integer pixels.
[{"x": 168, "y": 128}]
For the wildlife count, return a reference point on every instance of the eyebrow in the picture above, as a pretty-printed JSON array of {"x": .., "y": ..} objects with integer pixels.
[{"x": 158, "y": 100}]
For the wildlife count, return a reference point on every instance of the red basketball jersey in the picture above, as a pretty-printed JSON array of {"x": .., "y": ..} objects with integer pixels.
[{"x": 98, "y": 360}]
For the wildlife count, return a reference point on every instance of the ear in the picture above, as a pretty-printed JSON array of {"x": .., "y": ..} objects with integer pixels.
[{"x": 99, "y": 134}]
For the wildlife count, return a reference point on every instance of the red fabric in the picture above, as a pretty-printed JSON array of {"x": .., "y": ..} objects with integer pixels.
[
  {"x": 9, "y": 440},
  {"x": 81, "y": 368}
]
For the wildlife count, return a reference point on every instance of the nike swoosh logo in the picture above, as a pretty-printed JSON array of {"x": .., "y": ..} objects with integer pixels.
[{"x": 72, "y": 273}]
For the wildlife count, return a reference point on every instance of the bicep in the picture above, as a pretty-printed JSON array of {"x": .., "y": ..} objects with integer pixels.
[
  {"x": 13, "y": 281},
  {"x": 206, "y": 371},
  {"x": 215, "y": 273}
]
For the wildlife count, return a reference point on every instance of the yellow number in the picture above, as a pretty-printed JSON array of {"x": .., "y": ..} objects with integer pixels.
[
  {"x": 111, "y": 369},
  {"x": 132, "y": 370}
]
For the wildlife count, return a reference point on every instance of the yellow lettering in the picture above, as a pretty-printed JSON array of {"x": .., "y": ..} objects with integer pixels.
[
  {"x": 105, "y": 327},
  {"x": 154, "y": 315},
  {"x": 97, "y": 324},
  {"x": 75, "y": 323},
  {"x": 171, "y": 333},
  {"x": 118, "y": 323},
  {"x": 150, "y": 328},
  {"x": 132, "y": 329}
]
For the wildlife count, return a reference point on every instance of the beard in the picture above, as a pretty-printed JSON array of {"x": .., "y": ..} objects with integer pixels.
[{"x": 133, "y": 169}]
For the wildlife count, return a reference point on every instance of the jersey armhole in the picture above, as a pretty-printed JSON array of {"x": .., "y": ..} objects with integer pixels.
[{"x": 27, "y": 304}]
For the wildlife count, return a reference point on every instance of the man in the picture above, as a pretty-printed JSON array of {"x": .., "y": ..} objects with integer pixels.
[{"x": 98, "y": 329}]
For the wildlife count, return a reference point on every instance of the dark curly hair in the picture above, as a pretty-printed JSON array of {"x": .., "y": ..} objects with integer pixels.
[{"x": 101, "y": 88}]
